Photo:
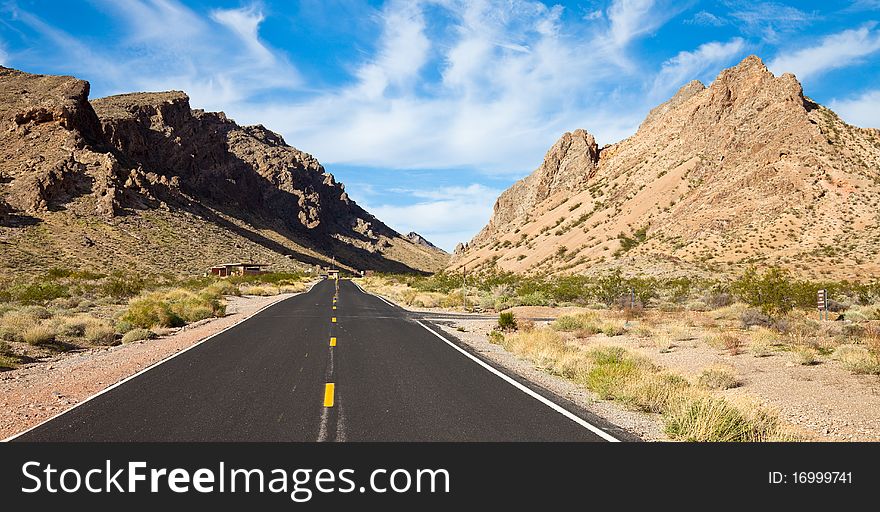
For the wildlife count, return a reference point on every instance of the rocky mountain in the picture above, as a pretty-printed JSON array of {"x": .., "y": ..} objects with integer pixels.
[
  {"x": 144, "y": 181},
  {"x": 416, "y": 238},
  {"x": 745, "y": 171}
]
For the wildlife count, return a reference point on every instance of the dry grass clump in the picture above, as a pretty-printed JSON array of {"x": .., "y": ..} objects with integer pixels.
[
  {"x": 13, "y": 324},
  {"x": 615, "y": 373},
  {"x": 40, "y": 334},
  {"x": 727, "y": 341},
  {"x": 804, "y": 355},
  {"x": 763, "y": 342},
  {"x": 99, "y": 332},
  {"x": 8, "y": 358},
  {"x": 719, "y": 377},
  {"x": 138, "y": 335},
  {"x": 583, "y": 322},
  {"x": 858, "y": 359},
  {"x": 261, "y": 290},
  {"x": 704, "y": 418}
]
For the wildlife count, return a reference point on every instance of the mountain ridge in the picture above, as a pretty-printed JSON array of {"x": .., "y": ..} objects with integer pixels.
[
  {"x": 715, "y": 179},
  {"x": 152, "y": 183}
]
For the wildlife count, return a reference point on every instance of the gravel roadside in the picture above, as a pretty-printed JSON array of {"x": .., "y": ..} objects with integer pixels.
[{"x": 36, "y": 392}]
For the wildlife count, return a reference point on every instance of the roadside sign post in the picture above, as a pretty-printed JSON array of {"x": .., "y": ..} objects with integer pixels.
[
  {"x": 822, "y": 303},
  {"x": 464, "y": 286}
]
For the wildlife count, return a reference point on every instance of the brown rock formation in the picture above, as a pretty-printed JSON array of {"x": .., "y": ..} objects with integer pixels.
[
  {"x": 746, "y": 171},
  {"x": 124, "y": 160}
]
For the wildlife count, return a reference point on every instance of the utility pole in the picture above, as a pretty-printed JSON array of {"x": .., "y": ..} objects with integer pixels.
[{"x": 464, "y": 286}]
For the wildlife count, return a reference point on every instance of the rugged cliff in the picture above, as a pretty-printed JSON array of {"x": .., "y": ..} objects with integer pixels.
[
  {"x": 745, "y": 171},
  {"x": 143, "y": 180}
]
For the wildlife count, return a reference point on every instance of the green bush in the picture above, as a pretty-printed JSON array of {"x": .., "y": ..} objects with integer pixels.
[
  {"x": 39, "y": 292},
  {"x": 774, "y": 292},
  {"x": 507, "y": 321},
  {"x": 120, "y": 286},
  {"x": 150, "y": 312}
]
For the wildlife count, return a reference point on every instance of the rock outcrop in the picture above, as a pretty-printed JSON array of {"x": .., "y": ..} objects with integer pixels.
[
  {"x": 124, "y": 159},
  {"x": 745, "y": 171},
  {"x": 418, "y": 239}
]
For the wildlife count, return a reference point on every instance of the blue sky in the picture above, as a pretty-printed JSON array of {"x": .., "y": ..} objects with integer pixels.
[{"x": 426, "y": 110}]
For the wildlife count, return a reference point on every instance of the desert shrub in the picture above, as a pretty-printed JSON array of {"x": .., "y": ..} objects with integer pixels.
[
  {"x": 36, "y": 312},
  {"x": 587, "y": 322},
  {"x": 259, "y": 290},
  {"x": 507, "y": 321},
  {"x": 804, "y": 355},
  {"x": 858, "y": 360},
  {"x": 773, "y": 292},
  {"x": 609, "y": 288},
  {"x": 718, "y": 377},
  {"x": 452, "y": 299},
  {"x": 727, "y": 341},
  {"x": 653, "y": 392},
  {"x": 219, "y": 289},
  {"x": 39, "y": 334},
  {"x": 613, "y": 328},
  {"x": 151, "y": 311},
  {"x": 98, "y": 332},
  {"x": 121, "y": 286},
  {"x": 14, "y": 324},
  {"x": 763, "y": 342},
  {"x": 753, "y": 317},
  {"x": 409, "y": 296},
  {"x": 138, "y": 335},
  {"x": 72, "y": 327},
  {"x": 611, "y": 367},
  {"x": 8, "y": 359},
  {"x": 708, "y": 419},
  {"x": 538, "y": 298},
  {"x": 39, "y": 292},
  {"x": 496, "y": 337},
  {"x": 717, "y": 299}
]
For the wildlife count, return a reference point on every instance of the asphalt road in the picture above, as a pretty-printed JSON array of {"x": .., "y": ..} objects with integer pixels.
[{"x": 267, "y": 379}]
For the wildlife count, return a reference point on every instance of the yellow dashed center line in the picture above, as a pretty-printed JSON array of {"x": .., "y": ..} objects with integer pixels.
[
  {"x": 333, "y": 319},
  {"x": 329, "y": 390},
  {"x": 334, "y": 308},
  {"x": 333, "y": 342}
]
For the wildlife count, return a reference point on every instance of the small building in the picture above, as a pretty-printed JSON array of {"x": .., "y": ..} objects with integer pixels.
[{"x": 237, "y": 269}]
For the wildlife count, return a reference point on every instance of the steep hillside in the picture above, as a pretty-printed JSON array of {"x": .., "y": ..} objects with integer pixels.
[
  {"x": 746, "y": 171},
  {"x": 143, "y": 181}
]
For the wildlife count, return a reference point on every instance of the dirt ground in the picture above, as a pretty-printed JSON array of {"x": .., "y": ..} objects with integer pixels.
[
  {"x": 822, "y": 402},
  {"x": 36, "y": 392}
]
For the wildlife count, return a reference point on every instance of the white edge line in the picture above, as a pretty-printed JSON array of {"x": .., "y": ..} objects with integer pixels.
[
  {"x": 383, "y": 299},
  {"x": 154, "y": 365},
  {"x": 549, "y": 403},
  {"x": 556, "y": 407}
]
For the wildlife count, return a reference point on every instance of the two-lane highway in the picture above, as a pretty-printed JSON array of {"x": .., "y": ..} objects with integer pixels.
[{"x": 326, "y": 365}]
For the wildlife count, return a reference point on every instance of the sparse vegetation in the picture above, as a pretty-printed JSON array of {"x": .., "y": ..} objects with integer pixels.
[
  {"x": 614, "y": 373},
  {"x": 719, "y": 377},
  {"x": 506, "y": 321},
  {"x": 61, "y": 309}
]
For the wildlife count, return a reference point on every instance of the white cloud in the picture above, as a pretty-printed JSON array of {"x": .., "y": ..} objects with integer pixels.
[
  {"x": 630, "y": 19},
  {"x": 4, "y": 57},
  {"x": 445, "y": 216},
  {"x": 706, "y": 18},
  {"x": 834, "y": 51},
  {"x": 166, "y": 45},
  {"x": 245, "y": 23},
  {"x": 512, "y": 77},
  {"x": 769, "y": 20},
  {"x": 862, "y": 110},
  {"x": 687, "y": 66}
]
